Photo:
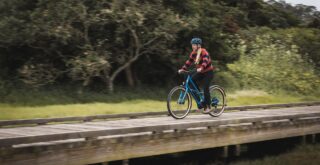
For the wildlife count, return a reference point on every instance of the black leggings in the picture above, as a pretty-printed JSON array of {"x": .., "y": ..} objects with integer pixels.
[{"x": 206, "y": 78}]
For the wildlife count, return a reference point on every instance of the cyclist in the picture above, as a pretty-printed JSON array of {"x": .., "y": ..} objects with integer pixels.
[{"x": 201, "y": 58}]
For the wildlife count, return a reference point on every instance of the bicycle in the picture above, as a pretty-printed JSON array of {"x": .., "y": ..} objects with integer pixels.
[{"x": 180, "y": 96}]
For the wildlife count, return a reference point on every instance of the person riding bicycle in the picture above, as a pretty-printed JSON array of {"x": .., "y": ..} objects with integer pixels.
[{"x": 201, "y": 58}]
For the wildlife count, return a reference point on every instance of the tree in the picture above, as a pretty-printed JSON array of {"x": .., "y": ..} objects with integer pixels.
[
  {"x": 140, "y": 29},
  {"x": 116, "y": 42}
]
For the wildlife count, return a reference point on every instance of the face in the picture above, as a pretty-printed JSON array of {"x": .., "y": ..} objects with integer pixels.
[{"x": 194, "y": 47}]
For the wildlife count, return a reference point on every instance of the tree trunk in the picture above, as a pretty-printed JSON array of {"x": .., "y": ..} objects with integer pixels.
[
  {"x": 136, "y": 54},
  {"x": 129, "y": 76},
  {"x": 85, "y": 83},
  {"x": 136, "y": 78},
  {"x": 110, "y": 85}
]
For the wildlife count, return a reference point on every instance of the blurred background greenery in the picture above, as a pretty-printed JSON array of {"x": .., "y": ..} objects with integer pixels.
[{"x": 82, "y": 57}]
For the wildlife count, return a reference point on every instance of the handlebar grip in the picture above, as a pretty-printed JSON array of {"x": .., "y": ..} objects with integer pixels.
[{"x": 188, "y": 72}]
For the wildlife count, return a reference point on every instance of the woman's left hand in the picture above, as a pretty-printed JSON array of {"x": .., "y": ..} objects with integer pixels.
[{"x": 199, "y": 69}]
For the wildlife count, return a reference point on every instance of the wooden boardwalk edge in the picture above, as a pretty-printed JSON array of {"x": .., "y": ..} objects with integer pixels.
[{"x": 42, "y": 121}]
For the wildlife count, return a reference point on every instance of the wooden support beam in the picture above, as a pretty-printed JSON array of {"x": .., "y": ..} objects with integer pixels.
[
  {"x": 304, "y": 139},
  {"x": 225, "y": 153},
  {"x": 237, "y": 150},
  {"x": 313, "y": 138},
  {"x": 125, "y": 162}
]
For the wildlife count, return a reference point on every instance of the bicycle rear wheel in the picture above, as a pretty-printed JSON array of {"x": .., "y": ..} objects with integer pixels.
[
  {"x": 179, "y": 102},
  {"x": 218, "y": 100}
]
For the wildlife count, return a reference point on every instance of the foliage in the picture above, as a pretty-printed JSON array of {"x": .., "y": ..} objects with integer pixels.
[
  {"x": 45, "y": 42},
  {"x": 38, "y": 74},
  {"x": 272, "y": 64},
  {"x": 227, "y": 80},
  {"x": 308, "y": 41},
  {"x": 87, "y": 66}
]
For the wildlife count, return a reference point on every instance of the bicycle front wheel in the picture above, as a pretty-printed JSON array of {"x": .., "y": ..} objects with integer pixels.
[
  {"x": 218, "y": 100},
  {"x": 179, "y": 102}
]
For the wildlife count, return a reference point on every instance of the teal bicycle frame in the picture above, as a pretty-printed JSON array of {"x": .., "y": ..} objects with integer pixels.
[{"x": 194, "y": 91}]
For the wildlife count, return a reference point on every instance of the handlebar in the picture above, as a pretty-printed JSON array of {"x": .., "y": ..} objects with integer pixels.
[{"x": 188, "y": 72}]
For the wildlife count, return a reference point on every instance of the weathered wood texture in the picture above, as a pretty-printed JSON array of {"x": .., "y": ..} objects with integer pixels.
[
  {"x": 42, "y": 121},
  {"x": 93, "y": 142}
]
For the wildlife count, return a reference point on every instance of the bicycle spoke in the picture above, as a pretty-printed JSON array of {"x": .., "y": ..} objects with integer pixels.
[
  {"x": 179, "y": 103},
  {"x": 217, "y": 101}
]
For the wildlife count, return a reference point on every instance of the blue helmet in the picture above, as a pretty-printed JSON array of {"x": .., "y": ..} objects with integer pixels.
[{"x": 197, "y": 41}]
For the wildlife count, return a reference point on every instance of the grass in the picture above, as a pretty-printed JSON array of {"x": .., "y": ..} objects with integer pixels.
[
  {"x": 58, "y": 102},
  {"x": 250, "y": 97},
  {"x": 23, "y": 112},
  {"x": 302, "y": 155}
]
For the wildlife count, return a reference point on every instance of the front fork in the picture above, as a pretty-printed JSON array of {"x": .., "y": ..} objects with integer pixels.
[{"x": 182, "y": 95}]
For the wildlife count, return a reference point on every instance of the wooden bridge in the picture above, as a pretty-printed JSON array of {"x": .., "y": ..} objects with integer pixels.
[{"x": 95, "y": 139}]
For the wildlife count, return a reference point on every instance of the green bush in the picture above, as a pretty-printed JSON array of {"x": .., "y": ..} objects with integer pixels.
[
  {"x": 226, "y": 80},
  {"x": 273, "y": 65}
]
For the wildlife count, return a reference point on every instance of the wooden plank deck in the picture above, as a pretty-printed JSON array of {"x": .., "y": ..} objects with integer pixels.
[
  {"x": 41, "y": 121},
  {"x": 46, "y": 133},
  {"x": 101, "y": 141}
]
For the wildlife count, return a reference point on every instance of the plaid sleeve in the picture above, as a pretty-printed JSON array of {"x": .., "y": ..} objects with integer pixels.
[
  {"x": 188, "y": 62},
  {"x": 205, "y": 61}
]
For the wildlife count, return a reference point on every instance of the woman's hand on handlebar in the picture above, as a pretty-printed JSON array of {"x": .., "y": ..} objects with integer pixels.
[
  {"x": 199, "y": 70},
  {"x": 181, "y": 71}
]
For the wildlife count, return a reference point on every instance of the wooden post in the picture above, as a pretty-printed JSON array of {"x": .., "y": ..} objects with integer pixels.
[
  {"x": 225, "y": 153},
  {"x": 313, "y": 138},
  {"x": 303, "y": 139},
  {"x": 238, "y": 150},
  {"x": 125, "y": 162}
]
